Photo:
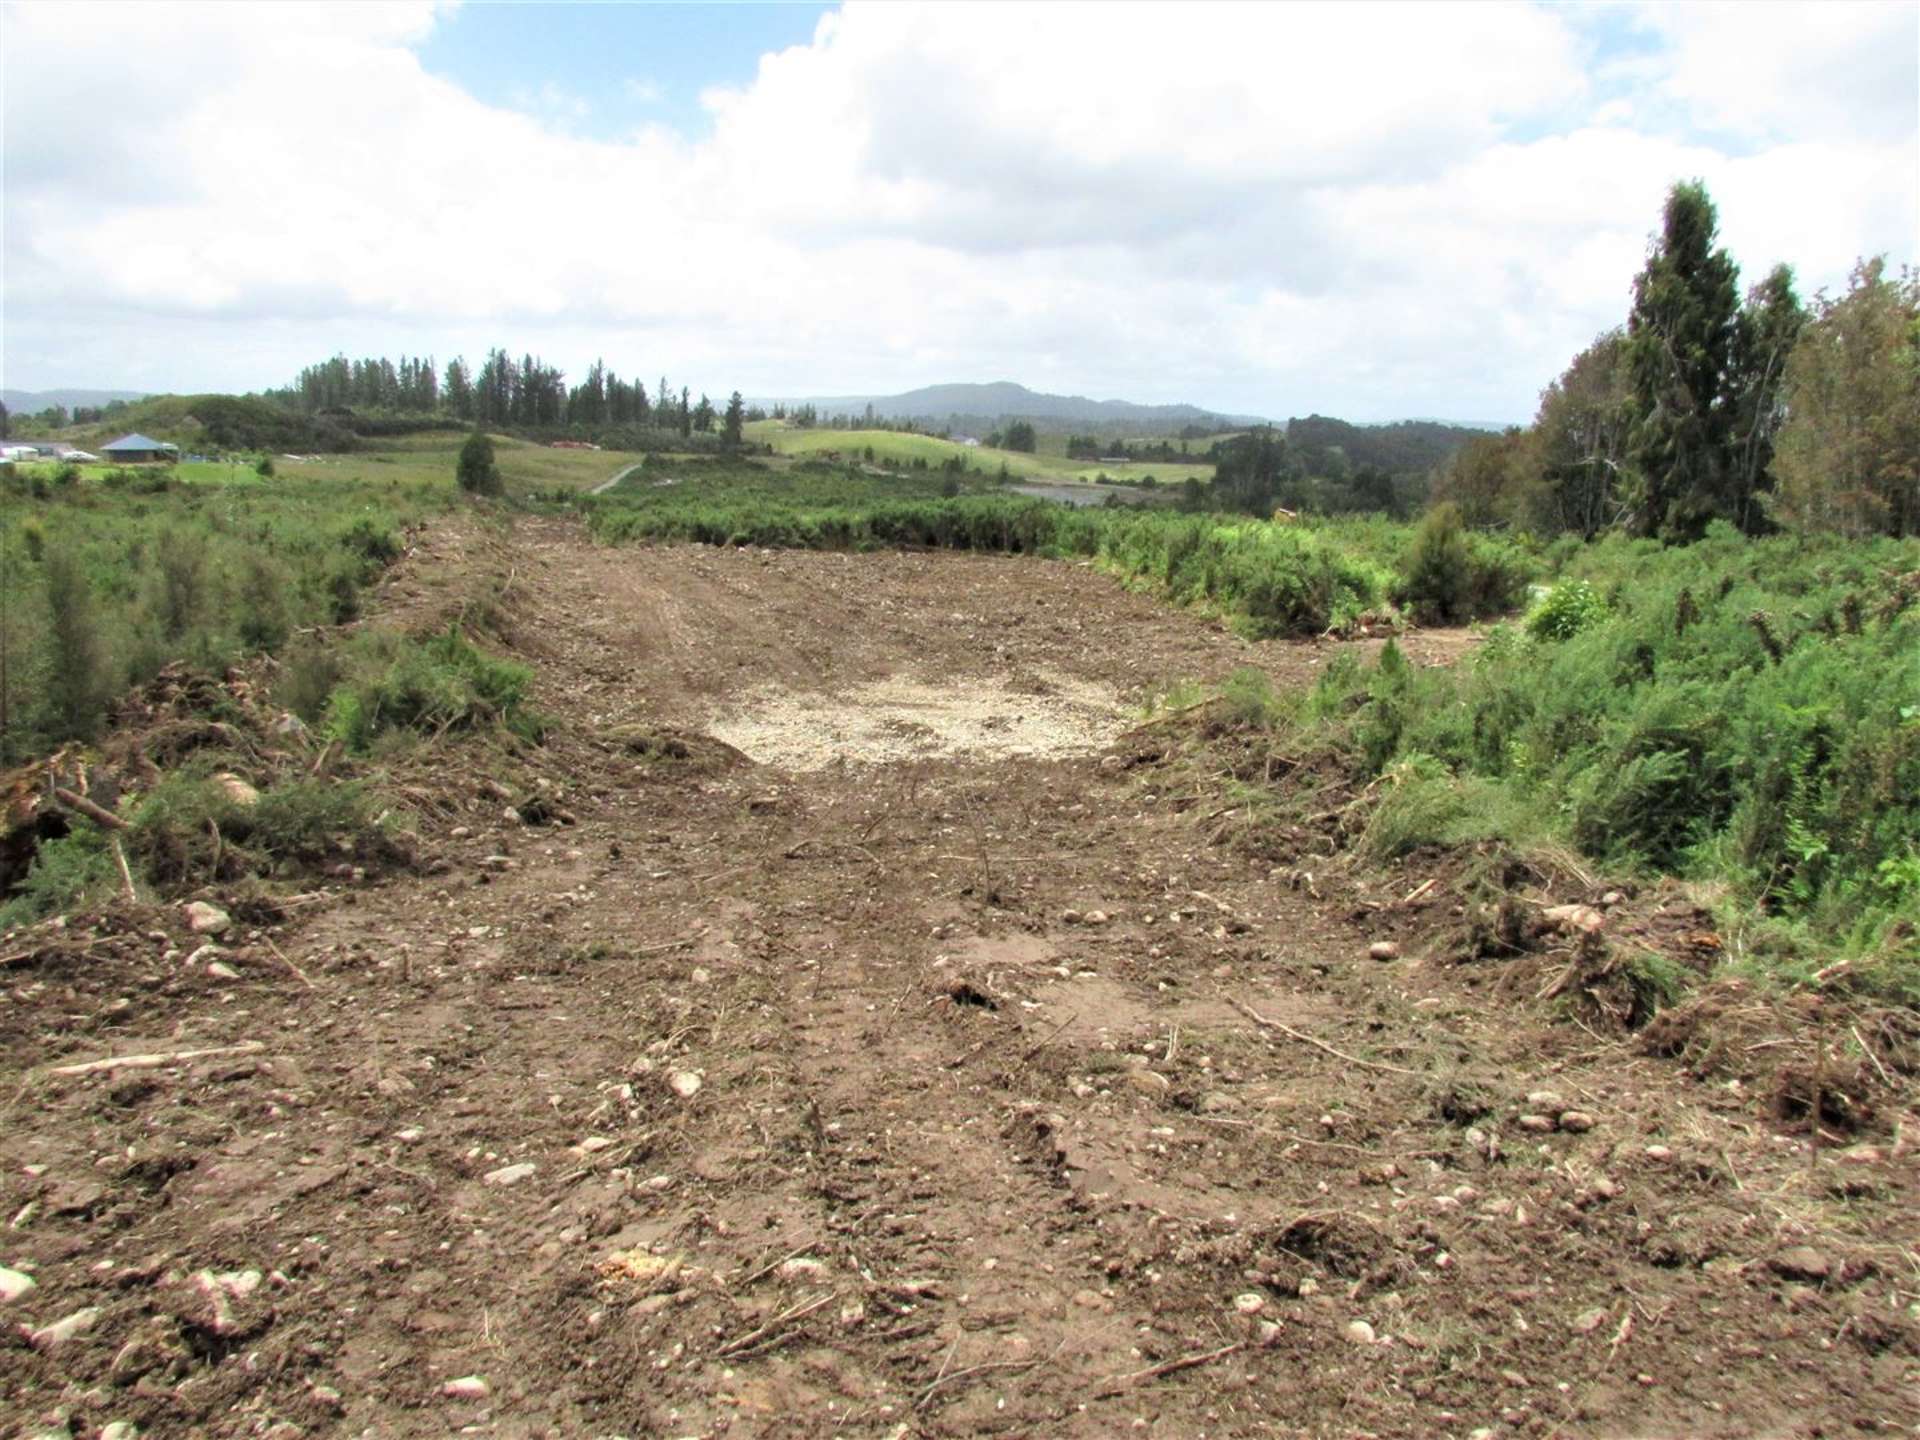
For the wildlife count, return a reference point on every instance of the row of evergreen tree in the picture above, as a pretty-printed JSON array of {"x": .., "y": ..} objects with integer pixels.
[{"x": 526, "y": 393}]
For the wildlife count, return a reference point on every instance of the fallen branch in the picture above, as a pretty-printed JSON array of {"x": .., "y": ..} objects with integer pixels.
[
  {"x": 667, "y": 945},
  {"x": 157, "y": 1060},
  {"x": 959, "y": 1375},
  {"x": 1419, "y": 890},
  {"x": 328, "y": 753},
  {"x": 1120, "y": 1383},
  {"x": 773, "y": 1265},
  {"x": 126, "y": 874},
  {"x": 1291, "y": 1033},
  {"x": 797, "y": 1312},
  {"x": 298, "y": 973},
  {"x": 100, "y": 816}
]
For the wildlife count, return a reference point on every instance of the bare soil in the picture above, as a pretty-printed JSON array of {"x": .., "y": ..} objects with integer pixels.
[{"x": 901, "y": 1043}]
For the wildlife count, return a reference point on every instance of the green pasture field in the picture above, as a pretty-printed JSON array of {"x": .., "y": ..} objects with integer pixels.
[{"x": 898, "y": 448}]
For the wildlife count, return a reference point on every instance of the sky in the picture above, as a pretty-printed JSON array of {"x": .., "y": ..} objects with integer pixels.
[{"x": 1372, "y": 211}]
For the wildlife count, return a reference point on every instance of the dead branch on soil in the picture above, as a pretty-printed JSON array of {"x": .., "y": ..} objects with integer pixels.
[
  {"x": 943, "y": 1381},
  {"x": 787, "y": 1316},
  {"x": 1120, "y": 1383},
  {"x": 1289, "y": 1032},
  {"x": 773, "y": 1265},
  {"x": 100, "y": 816},
  {"x": 689, "y": 938},
  {"x": 1051, "y": 1036},
  {"x": 157, "y": 1059},
  {"x": 1419, "y": 890},
  {"x": 61, "y": 948},
  {"x": 126, "y": 874},
  {"x": 822, "y": 849},
  {"x": 296, "y": 971}
]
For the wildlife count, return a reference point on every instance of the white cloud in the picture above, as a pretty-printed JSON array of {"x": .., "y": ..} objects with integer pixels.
[{"x": 1364, "y": 210}]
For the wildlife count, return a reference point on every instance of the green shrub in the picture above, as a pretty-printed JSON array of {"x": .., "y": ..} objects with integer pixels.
[
  {"x": 1434, "y": 578},
  {"x": 1569, "y": 608},
  {"x": 430, "y": 686},
  {"x": 78, "y": 682},
  {"x": 1785, "y": 768},
  {"x": 181, "y": 592},
  {"x": 66, "y": 873},
  {"x": 477, "y": 471},
  {"x": 1450, "y": 575},
  {"x": 307, "y": 678}
]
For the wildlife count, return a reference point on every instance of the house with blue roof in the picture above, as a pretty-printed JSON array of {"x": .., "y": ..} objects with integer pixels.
[{"x": 137, "y": 448}]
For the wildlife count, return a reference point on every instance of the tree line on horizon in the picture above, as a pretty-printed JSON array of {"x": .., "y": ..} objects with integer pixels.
[{"x": 505, "y": 393}]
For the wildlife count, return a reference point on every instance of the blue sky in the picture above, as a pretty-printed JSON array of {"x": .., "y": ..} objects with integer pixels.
[
  {"x": 605, "y": 70},
  {"x": 1371, "y": 211}
]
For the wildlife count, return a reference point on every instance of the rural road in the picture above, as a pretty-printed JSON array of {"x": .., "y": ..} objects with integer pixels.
[{"x": 606, "y": 485}]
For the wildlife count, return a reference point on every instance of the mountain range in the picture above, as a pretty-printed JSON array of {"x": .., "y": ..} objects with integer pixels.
[
  {"x": 1005, "y": 400},
  {"x": 32, "y": 402}
]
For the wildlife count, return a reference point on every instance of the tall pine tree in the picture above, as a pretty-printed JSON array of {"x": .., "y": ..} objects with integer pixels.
[{"x": 1681, "y": 367}]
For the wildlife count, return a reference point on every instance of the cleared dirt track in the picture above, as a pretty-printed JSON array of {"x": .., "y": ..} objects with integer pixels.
[{"x": 992, "y": 1090}]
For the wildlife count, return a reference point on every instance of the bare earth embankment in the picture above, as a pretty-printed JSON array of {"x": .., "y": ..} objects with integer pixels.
[{"x": 899, "y": 1042}]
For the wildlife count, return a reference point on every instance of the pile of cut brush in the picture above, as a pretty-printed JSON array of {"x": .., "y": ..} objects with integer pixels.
[{"x": 202, "y": 790}]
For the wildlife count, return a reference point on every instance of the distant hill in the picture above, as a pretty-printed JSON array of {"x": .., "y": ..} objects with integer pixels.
[
  {"x": 32, "y": 402},
  {"x": 220, "y": 422},
  {"x": 1405, "y": 447},
  {"x": 1005, "y": 400}
]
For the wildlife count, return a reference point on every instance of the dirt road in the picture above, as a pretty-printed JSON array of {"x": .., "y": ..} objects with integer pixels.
[{"x": 933, "y": 1057}]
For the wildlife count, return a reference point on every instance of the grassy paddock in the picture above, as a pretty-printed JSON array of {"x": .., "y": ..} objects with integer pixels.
[{"x": 901, "y": 449}]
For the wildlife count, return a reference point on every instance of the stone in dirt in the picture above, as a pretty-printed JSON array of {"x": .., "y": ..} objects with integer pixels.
[
  {"x": 467, "y": 1387},
  {"x": 1583, "y": 918},
  {"x": 1360, "y": 1333},
  {"x": 205, "y": 919},
  {"x": 1577, "y": 1122},
  {"x": 119, "y": 1430},
  {"x": 510, "y": 1174},
  {"x": 1538, "y": 1124},
  {"x": 1802, "y": 1262},
  {"x": 1384, "y": 950},
  {"x": 1148, "y": 1082},
  {"x": 237, "y": 790},
  {"x": 684, "y": 1083},
  {"x": 14, "y": 1284},
  {"x": 63, "y": 1330}
]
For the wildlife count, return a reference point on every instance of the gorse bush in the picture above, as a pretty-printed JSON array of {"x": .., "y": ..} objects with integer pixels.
[
  {"x": 1568, "y": 609},
  {"x": 476, "y": 470},
  {"x": 107, "y": 583},
  {"x": 1668, "y": 733},
  {"x": 1450, "y": 575},
  {"x": 396, "y": 683}
]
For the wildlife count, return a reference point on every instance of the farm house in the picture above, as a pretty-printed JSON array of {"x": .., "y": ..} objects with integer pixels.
[{"x": 135, "y": 448}]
